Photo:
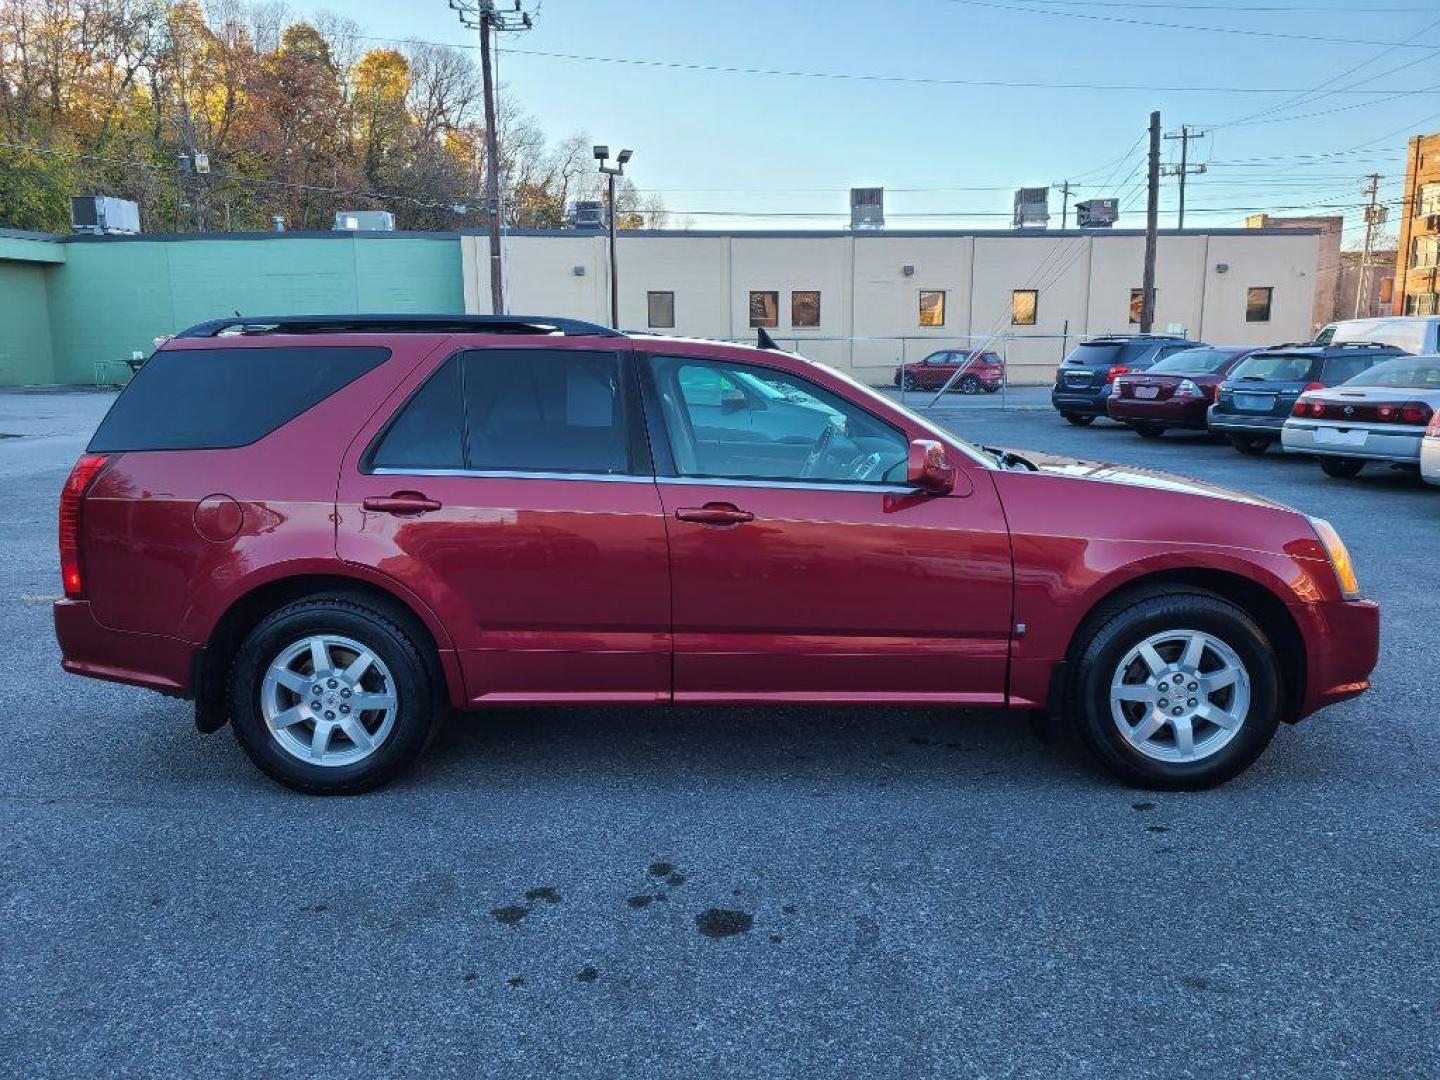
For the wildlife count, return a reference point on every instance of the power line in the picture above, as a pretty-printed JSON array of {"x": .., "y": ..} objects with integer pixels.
[
  {"x": 1184, "y": 26},
  {"x": 1242, "y": 9}
]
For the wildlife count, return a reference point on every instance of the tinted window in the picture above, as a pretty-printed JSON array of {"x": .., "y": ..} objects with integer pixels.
[
  {"x": 1277, "y": 367},
  {"x": 1407, "y": 372},
  {"x": 1341, "y": 368},
  {"x": 544, "y": 410},
  {"x": 752, "y": 423},
  {"x": 209, "y": 399},
  {"x": 427, "y": 432},
  {"x": 1195, "y": 361},
  {"x": 1095, "y": 353}
]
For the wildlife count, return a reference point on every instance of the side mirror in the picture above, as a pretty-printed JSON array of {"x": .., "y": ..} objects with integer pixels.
[
  {"x": 928, "y": 467},
  {"x": 731, "y": 400}
]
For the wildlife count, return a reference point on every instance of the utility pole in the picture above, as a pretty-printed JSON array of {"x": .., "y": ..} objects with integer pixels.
[
  {"x": 1152, "y": 222},
  {"x": 1374, "y": 215},
  {"x": 1184, "y": 168},
  {"x": 482, "y": 15},
  {"x": 1064, "y": 203}
]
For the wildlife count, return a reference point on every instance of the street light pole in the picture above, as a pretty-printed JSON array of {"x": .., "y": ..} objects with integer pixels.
[{"x": 611, "y": 172}]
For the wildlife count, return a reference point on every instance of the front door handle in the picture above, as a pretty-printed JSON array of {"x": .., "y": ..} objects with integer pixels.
[
  {"x": 401, "y": 502},
  {"x": 715, "y": 513}
]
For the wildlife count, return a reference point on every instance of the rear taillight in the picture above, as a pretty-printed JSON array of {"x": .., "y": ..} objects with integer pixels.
[
  {"x": 1116, "y": 370},
  {"x": 1307, "y": 407},
  {"x": 72, "y": 497},
  {"x": 1433, "y": 431},
  {"x": 1313, "y": 386},
  {"x": 1415, "y": 413}
]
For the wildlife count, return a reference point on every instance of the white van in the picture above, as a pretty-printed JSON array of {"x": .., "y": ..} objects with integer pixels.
[{"x": 1417, "y": 334}]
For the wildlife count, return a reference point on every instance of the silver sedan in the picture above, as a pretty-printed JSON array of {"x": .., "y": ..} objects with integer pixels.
[{"x": 1381, "y": 415}]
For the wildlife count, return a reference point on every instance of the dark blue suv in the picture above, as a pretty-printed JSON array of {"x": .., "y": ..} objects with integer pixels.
[
  {"x": 1085, "y": 378},
  {"x": 1256, "y": 398}
]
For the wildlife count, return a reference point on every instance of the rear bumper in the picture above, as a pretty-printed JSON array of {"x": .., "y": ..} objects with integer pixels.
[
  {"x": 1172, "y": 412},
  {"x": 1084, "y": 402},
  {"x": 1343, "y": 648},
  {"x": 98, "y": 652},
  {"x": 1306, "y": 438},
  {"x": 1229, "y": 423}
]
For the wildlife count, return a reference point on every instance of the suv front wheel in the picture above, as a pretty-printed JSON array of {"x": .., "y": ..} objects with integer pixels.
[
  {"x": 1176, "y": 691},
  {"x": 332, "y": 696}
]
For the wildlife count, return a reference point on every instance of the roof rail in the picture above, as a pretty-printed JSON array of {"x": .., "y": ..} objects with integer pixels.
[{"x": 396, "y": 324}]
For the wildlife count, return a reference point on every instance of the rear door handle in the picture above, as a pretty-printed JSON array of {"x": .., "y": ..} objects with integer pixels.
[
  {"x": 715, "y": 513},
  {"x": 401, "y": 502}
]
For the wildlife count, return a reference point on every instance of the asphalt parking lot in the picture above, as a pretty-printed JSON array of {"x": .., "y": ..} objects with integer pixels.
[{"x": 753, "y": 893}]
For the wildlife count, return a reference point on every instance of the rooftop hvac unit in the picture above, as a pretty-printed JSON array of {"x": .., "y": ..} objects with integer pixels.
[
  {"x": 100, "y": 215},
  {"x": 1032, "y": 207},
  {"x": 587, "y": 214},
  {"x": 364, "y": 221},
  {"x": 1097, "y": 213},
  {"x": 867, "y": 208}
]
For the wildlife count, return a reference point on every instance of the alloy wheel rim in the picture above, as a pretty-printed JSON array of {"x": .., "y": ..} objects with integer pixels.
[
  {"x": 1180, "y": 696},
  {"x": 328, "y": 700}
]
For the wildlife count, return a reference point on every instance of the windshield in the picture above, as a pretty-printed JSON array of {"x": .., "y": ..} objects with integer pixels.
[
  {"x": 1407, "y": 334},
  {"x": 1096, "y": 353},
  {"x": 1276, "y": 367},
  {"x": 1194, "y": 362},
  {"x": 1411, "y": 373}
]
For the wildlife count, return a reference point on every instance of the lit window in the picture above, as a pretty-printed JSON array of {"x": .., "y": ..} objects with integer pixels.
[
  {"x": 1137, "y": 306},
  {"x": 805, "y": 308},
  {"x": 1427, "y": 202},
  {"x": 764, "y": 309},
  {"x": 1023, "y": 305},
  {"x": 661, "y": 307},
  {"x": 932, "y": 307},
  {"x": 1257, "y": 303}
]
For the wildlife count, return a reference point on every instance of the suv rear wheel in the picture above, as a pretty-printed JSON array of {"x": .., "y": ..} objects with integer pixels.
[
  {"x": 332, "y": 696},
  {"x": 1251, "y": 444},
  {"x": 1079, "y": 419},
  {"x": 1176, "y": 691}
]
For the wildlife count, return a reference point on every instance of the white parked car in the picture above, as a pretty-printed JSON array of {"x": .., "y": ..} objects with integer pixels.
[
  {"x": 1380, "y": 415},
  {"x": 1430, "y": 451},
  {"x": 1418, "y": 334}
]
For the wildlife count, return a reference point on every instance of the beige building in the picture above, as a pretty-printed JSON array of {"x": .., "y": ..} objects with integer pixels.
[
  {"x": 862, "y": 301},
  {"x": 1330, "y": 290}
]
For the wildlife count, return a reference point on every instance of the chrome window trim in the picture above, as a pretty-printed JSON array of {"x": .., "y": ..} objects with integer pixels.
[
  {"x": 784, "y": 485},
  {"x": 515, "y": 474}
]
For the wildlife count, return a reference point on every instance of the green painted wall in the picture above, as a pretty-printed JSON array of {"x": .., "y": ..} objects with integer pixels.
[
  {"x": 115, "y": 296},
  {"x": 26, "y": 351}
]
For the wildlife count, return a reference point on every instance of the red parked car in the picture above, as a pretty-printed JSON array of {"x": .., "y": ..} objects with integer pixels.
[
  {"x": 1175, "y": 392},
  {"x": 974, "y": 371},
  {"x": 331, "y": 531}
]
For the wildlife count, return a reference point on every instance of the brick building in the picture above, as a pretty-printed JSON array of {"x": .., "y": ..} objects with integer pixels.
[{"x": 1417, "y": 263}]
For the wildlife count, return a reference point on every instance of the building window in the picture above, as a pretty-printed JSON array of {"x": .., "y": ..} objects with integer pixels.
[
  {"x": 1257, "y": 303},
  {"x": 805, "y": 307},
  {"x": 1023, "y": 305},
  {"x": 764, "y": 308},
  {"x": 1427, "y": 202},
  {"x": 1425, "y": 251},
  {"x": 661, "y": 307},
  {"x": 932, "y": 307},
  {"x": 1137, "y": 304},
  {"x": 1422, "y": 304}
]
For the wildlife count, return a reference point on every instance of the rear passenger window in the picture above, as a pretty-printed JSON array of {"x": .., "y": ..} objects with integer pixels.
[
  {"x": 1342, "y": 368},
  {"x": 427, "y": 433},
  {"x": 544, "y": 410},
  {"x": 216, "y": 399}
]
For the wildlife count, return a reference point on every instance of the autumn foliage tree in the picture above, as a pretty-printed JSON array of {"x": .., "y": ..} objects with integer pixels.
[{"x": 221, "y": 116}]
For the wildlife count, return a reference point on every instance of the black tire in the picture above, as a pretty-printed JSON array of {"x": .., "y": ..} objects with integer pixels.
[
  {"x": 1148, "y": 431},
  {"x": 416, "y": 688},
  {"x": 1079, "y": 419},
  {"x": 1251, "y": 444},
  {"x": 1122, "y": 624},
  {"x": 969, "y": 384},
  {"x": 992, "y": 387},
  {"x": 907, "y": 381},
  {"x": 1342, "y": 468}
]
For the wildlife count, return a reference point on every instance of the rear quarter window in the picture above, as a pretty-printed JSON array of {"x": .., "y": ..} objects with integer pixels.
[
  {"x": 217, "y": 399},
  {"x": 1342, "y": 368}
]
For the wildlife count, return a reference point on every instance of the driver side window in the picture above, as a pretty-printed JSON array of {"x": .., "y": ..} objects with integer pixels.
[{"x": 742, "y": 422}]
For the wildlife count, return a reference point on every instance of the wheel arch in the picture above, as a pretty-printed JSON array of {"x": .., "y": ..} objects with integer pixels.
[
  {"x": 212, "y": 662},
  {"x": 1254, "y": 598}
]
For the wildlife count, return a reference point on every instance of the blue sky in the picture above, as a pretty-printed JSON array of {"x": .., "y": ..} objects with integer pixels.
[{"x": 737, "y": 150}]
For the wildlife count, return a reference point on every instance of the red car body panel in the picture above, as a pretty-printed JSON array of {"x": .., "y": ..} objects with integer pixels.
[
  {"x": 926, "y": 374},
  {"x": 541, "y": 589}
]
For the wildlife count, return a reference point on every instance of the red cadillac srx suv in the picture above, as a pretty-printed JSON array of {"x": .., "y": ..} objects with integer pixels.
[{"x": 331, "y": 531}]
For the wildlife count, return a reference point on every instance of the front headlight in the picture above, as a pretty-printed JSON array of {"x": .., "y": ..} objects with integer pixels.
[{"x": 1339, "y": 557}]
